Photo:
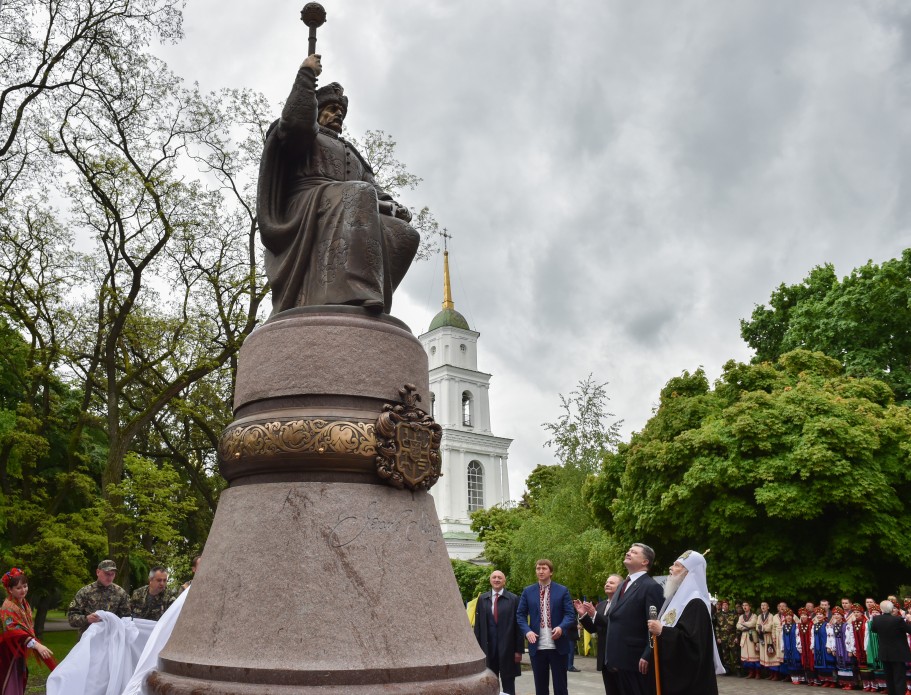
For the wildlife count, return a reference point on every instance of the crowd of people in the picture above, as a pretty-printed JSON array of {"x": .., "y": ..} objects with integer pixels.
[
  {"x": 678, "y": 638},
  {"x": 647, "y": 635},
  {"x": 18, "y": 638},
  {"x": 848, "y": 646}
]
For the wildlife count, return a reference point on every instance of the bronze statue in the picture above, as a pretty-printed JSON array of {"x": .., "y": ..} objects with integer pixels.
[{"x": 332, "y": 235}]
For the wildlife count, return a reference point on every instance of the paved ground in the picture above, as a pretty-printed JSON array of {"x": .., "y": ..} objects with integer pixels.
[{"x": 588, "y": 682}]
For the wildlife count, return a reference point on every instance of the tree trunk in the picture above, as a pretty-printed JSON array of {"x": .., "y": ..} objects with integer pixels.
[
  {"x": 113, "y": 475},
  {"x": 41, "y": 608}
]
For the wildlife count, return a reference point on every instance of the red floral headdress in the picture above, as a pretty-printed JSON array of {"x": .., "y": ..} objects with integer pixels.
[{"x": 9, "y": 576}]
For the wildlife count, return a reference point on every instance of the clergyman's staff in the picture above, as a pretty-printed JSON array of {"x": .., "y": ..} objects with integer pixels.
[
  {"x": 313, "y": 15},
  {"x": 653, "y": 615}
]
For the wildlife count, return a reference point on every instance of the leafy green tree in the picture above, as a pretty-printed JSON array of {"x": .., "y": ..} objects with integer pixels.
[
  {"x": 48, "y": 523},
  {"x": 559, "y": 525},
  {"x": 54, "y": 53},
  {"x": 472, "y": 579},
  {"x": 862, "y": 321},
  {"x": 582, "y": 435},
  {"x": 793, "y": 473},
  {"x": 155, "y": 506},
  {"x": 137, "y": 349},
  {"x": 553, "y": 520},
  {"x": 496, "y": 528}
]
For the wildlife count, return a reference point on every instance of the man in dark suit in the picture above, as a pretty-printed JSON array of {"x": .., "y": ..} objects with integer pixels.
[
  {"x": 498, "y": 633},
  {"x": 893, "y": 646},
  {"x": 594, "y": 619},
  {"x": 544, "y": 615},
  {"x": 626, "y": 647}
]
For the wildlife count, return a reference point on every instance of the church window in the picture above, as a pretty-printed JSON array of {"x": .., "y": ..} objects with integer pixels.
[
  {"x": 433, "y": 349},
  {"x": 462, "y": 347},
  {"x": 433, "y": 403},
  {"x": 466, "y": 409},
  {"x": 475, "y": 486}
]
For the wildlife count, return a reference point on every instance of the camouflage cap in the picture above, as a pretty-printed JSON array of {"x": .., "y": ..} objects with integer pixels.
[{"x": 107, "y": 565}]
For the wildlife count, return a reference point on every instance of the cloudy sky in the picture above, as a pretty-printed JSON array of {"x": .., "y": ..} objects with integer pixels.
[{"x": 623, "y": 181}]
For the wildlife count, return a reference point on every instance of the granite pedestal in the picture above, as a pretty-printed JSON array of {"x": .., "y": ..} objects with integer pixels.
[{"x": 317, "y": 577}]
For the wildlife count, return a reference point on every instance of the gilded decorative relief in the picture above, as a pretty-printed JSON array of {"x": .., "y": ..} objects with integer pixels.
[{"x": 298, "y": 436}]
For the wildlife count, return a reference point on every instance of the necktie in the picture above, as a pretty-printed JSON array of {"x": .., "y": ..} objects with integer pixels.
[
  {"x": 495, "y": 597},
  {"x": 623, "y": 588}
]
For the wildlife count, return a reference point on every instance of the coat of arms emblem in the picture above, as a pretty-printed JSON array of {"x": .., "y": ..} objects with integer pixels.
[{"x": 408, "y": 443}]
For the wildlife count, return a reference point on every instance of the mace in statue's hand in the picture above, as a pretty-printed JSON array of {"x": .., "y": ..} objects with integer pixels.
[{"x": 313, "y": 62}]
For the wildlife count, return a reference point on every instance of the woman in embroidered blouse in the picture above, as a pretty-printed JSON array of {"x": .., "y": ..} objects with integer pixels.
[{"x": 18, "y": 635}]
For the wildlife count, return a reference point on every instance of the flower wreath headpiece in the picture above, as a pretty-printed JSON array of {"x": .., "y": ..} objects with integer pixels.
[{"x": 9, "y": 576}]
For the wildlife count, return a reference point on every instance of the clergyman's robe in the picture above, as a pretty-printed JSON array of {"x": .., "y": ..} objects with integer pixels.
[{"x": 686, "y": 653}]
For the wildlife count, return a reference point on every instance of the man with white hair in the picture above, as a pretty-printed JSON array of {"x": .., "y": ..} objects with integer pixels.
[
  {"x": 893, "y": 632},
  {"x": 594, "y": 619},
  {"x": 684, "y": 641}
]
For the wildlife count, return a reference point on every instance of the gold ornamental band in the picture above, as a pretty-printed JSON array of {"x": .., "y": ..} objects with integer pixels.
[{"x": 264, "y": 439}]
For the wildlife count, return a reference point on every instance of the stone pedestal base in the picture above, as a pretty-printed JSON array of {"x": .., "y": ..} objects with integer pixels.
[
  {"x": 317, "y": 577},
  {"x": 323, "y": 587}
]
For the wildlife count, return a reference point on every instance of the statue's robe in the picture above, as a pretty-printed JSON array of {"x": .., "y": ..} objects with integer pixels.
[{"x": 317, "y": 205}]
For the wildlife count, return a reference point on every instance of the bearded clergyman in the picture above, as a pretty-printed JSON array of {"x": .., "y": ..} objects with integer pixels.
[
  {"x": 684, "y": 640},
  {"x": 332, "y": 235}
]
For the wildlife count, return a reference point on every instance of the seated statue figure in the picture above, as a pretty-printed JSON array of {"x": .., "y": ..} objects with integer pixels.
[{"x": 332, "y": 235}]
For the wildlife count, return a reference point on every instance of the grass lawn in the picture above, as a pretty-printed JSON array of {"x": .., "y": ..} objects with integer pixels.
[{"x": 58, "y": 642}]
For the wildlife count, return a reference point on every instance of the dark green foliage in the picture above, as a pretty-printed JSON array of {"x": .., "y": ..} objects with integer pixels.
[
  {"x": 552, "y": 520},
  {"x": 794, "y": 474},
  {"x": 863, "y": 321},
  {"x": 472, "y": 579}
]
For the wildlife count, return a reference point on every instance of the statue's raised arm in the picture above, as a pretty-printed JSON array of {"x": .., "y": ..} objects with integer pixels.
[{"x": 332, "y": 236}]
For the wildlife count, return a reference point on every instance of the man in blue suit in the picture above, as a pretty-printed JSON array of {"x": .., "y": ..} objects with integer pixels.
[{"x": 544, "y": 615}]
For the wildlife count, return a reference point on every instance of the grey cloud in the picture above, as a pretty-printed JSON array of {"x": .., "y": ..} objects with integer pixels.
[{"x": 624, "y": 181}]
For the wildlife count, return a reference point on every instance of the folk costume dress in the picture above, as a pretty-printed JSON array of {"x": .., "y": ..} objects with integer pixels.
[
  {"x": 805, "y": 647},
  {"x": 749, "y": 641},
  {"x": 859, "y": 627},
  {"x": 769, "y": 628},
  {"x": 18, "y": 633},
  {"x": 874, "y": 663},
  {"x": 791, "y": 664},
  {"x": 840, "y": 643},
  {"x": 823, "y": 662}
]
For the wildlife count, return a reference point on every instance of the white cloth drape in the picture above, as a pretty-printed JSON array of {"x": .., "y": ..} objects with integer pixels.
[
  {"x": 148, "y": 660},
  {"x": 103, "y": 660}
]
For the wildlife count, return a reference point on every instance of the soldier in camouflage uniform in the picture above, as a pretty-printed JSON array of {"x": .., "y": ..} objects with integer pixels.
[
  {"x": 727, "y": 638},
  {"x": 100, "y": 595},
  {"x": 153, "y": 599}
]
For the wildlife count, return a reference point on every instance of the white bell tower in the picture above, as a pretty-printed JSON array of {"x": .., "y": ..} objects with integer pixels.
[{"x": 474, "y": 461}]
